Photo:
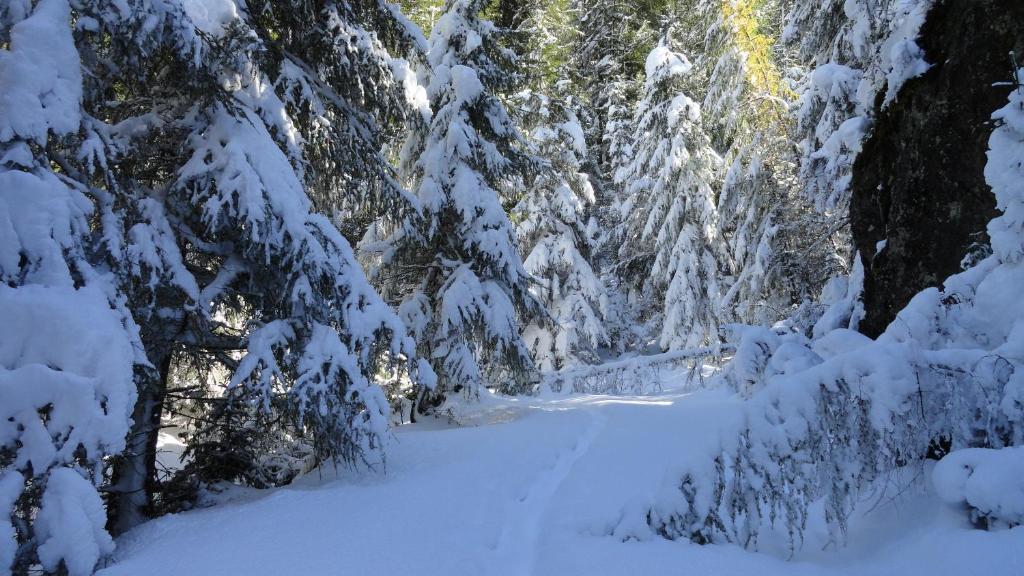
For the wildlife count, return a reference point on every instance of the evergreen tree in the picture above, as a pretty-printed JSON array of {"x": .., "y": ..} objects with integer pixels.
[
  {"x": 603, "y": 59},
  {"x": 68, "y": 347},
  {"x": 780, "y": 259},
  {"x": 423, "y": 12},
  {"x": 345, "y": 87},
  {"x": 673, "y": 256},
  {"x": 209, "y": 194},
  {"x": 778, "y": 253},
  {"x": 458, "y": 273},
  {"x": 604, "y": 68},
  {"x": 558, "y": 236}
]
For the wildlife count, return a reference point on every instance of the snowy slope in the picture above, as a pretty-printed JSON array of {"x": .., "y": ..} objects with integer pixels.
[{"x": 541, "y": 486}]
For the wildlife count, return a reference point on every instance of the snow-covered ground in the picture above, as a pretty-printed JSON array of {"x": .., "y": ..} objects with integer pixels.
[{"x": 542, "y": 486}]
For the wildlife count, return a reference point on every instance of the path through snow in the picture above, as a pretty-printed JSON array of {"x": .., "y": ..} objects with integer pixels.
[
  {"x": 538, "y": 487},
  {"x": 521, "y": 531}
]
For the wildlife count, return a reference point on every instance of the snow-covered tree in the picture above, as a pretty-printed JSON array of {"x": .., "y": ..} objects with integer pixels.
[
  {"x": 828, "y": 420},
  {"x": 68, "y": 347},
  {"x": 776, "y": 255},
  {"x": 748, "y": 222},
  {"x": 855, "y": 50},
  {"x": 780, "y": 249},
  {"x": 551, "y": 36},
  {"x": 318, "y": 328},
  {"x": 344, "y": 86},
  {"x": 458, "y": 273},
  {"x": 608, "y": 33},
  {"x": 213, "y": 195},
  {"x": 745, "y": 111},
  {"x": 672, "y": 253},
  {"x": 557, "y": 233}
]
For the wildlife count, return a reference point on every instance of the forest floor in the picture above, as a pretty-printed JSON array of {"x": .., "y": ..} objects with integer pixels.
[{"x": 535, "y": 486}]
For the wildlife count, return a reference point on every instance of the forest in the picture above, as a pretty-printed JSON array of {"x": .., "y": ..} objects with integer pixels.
[{"x": 511, "y": 287}]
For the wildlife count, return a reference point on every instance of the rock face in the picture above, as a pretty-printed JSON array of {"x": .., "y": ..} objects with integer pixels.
[{"x": 918, "y": 183}]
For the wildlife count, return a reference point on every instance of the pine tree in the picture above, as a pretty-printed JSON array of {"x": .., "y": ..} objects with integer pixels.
[
  {"x": 557, "y": 232},
  {"x": 672, "y": 255},
  {"x": 345, "y": 87},
  {"x": 68, "y": 348},
  {"x": 603, "y": 60},
  {"x": 457, "y": 270},
  {"x": 778, "y": 256},
  {"x": 212, "y": 192}
]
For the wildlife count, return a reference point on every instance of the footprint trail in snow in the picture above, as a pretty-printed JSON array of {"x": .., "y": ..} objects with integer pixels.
[{"x": 516, "y": 552}]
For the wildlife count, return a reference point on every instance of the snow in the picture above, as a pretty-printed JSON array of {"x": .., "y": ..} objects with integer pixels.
[
  {"x": 40, "y": 75},
  {"x": 902, "y": 58},
  {"x": 11, "y": 483},
  {"x": 170, "y": 453},
  {"x": 572, "y": 128},
  {"x": 848, "y": 136},
  {"x": 832, "y": 76},
  {"x": 663, "y": 62},
  {"x": 250, "y": 173},
  {"x": 67, "y": 348},
  {"x": 408, "y": 26},
  {"x": 1004, "y": 172},
  {"x": 466, "y": 84},
  {"x": 839, "y": 341},
  {"x": 63, "y": 351},
  {"x": 414, "y": 91},
  {"x": 210, "y": 16},
  {"x": 40, "y": 217},
  {"x": 908, "y": 62},
  {"x": 990, "y": 482},
  {"x": 842, "y": 295},
  {"x": 70, "y": 524},
  {"x": 49, "y": 341},
  {"x": 556, "y": 485}
]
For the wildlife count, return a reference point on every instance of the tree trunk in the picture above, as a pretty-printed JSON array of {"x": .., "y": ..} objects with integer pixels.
[
  {"x": 134, "y": 476},
  {"x": 920, "y": 201}
]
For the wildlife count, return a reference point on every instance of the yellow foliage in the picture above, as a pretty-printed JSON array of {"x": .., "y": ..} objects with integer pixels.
[{"x": 757, "y": 44}]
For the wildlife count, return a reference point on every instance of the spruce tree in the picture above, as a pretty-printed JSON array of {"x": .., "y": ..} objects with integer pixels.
[
  {"x": 456, "y": 269},
  {"x": 558, "y": 233},
  {"x": 68, "y": 347},
  {"x": 214, "y": 196},
  {"x": 672, "y": 255},
  {"x": 345, "y": 87},
  {"x": 603, "y": 60},
  {"x": 778, "y": 251}
]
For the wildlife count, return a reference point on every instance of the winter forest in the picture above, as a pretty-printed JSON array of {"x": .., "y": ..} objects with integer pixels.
[{"x": 512, "y": 287}]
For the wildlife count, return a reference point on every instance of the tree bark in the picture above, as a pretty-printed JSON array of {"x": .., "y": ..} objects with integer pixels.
[
  {"x": 918, "y": 183},
  {"x": 134, "y": 477}
]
